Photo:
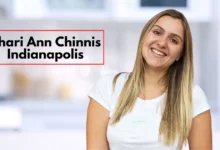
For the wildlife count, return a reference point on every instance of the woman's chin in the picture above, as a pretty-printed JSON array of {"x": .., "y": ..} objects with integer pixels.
[{"x": 156, "y": 66}]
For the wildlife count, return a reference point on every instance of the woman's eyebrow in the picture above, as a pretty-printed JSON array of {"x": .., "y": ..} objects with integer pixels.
[{"x": 171, "y": 33}]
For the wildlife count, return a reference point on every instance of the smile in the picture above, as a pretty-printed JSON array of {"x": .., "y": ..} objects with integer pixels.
[{"x": 158, "y": 52}]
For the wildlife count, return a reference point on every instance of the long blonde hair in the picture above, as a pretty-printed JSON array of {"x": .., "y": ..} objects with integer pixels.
[{"x": 177, "y": 110}]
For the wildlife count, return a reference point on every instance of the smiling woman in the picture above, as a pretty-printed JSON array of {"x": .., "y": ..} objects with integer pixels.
[
  {"x": 156, "y": 106},
  {"x": 163, "y": 44}
]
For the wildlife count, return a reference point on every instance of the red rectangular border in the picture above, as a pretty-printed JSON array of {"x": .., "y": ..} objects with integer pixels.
[{"x": 54, "y": 30}]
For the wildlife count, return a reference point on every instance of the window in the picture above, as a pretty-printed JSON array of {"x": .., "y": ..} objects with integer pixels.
[
  {"x": 76, "y": 4},
  {"x": 165, "y": 3}
]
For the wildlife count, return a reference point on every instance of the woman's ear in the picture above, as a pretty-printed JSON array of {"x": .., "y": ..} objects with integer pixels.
[{"x": 178, "y": 58}]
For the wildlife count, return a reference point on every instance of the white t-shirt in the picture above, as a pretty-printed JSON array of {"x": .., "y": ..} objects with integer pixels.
[{"x": 139, "y": 129}]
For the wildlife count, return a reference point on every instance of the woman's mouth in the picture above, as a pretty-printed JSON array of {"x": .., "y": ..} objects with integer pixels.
[{"x": 158, "y": 53}]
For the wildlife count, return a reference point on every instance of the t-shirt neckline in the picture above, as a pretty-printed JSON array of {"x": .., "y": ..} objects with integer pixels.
[{"x": 152, "y": 100}]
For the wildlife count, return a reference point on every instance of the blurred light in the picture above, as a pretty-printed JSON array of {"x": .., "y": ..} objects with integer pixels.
[{"x": 10, "y": 118}]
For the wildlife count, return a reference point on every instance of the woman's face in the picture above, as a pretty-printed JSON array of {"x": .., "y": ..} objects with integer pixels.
[{"x": 163, "y": 44}]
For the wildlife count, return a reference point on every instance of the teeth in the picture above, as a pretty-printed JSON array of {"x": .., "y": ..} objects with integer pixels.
[{"x": 157, "y": 52}]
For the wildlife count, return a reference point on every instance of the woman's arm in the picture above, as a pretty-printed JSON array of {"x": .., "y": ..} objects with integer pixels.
[
  {"x": 96, "y": 126},
  {"x": 200, "y": 137}
]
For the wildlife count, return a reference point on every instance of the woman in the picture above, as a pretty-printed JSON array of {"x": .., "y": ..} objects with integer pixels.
[{"x": 156, "y": 106}]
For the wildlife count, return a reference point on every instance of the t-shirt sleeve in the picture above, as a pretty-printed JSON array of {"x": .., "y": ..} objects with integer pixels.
[
  {"x": 102, "y": 91},
  {"x": 200, "y": 102}
]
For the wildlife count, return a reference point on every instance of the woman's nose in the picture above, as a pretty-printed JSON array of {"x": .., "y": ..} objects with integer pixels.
[{"x": 162, "y": 42}]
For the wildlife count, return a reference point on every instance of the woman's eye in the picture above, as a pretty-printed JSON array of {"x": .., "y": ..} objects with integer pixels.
[
  {"x": 174, "y": 41},
  {"x": 156, "y": 32}
]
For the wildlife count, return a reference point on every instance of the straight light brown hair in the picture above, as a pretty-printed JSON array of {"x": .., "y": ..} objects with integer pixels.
[{"x": 177, "y": 110}]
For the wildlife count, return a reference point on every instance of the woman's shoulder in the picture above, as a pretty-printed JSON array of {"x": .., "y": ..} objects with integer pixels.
[
  {"x": 200, "y": 101},
  {"x": 108, "y": 78},
  {"x": 102, "y": 91},
  {"x": 198, "y": 92}
]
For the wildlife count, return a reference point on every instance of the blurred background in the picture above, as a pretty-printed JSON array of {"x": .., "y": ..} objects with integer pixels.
[{"x": 44, "y": 107}]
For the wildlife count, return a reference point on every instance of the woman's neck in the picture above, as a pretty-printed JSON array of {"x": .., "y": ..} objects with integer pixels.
[
  {"x": 154, "y": 78},
  {"x": 155, "y": 84}
]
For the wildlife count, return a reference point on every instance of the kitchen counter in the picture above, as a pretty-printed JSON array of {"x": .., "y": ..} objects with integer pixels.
[{"x": 44, "y": 115}]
